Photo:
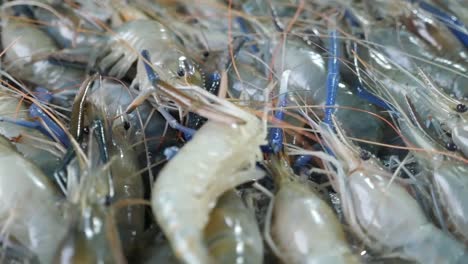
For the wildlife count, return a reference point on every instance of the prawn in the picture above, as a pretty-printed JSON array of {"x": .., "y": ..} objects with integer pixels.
[
  {"x": 370, "y": 197},
  {"x": 221, "y": 157},
  {"x": 33, "y": 204},
  {"x": 232, "y": 234},
  {"x": 313, "y": 218}
]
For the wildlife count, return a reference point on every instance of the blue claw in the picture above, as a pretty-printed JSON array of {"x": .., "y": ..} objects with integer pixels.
[
  {"x": 352, "y": 20},
  {"x": 370, "y": 97},
  {"x": 47, "y": 123},
  {"x": 170, "y": 152},
  {"x": 245, "y": 30},
  {"x": 37, "y": 112},
  {"x": 152, "y": 76},
  {"x": 302, "y": 161},
  {"x": 453, "y": 23},
  {"x": 333, "y": 77},
  {"x": 276, "y": 133},
  {"x": 188, "y": 132}
]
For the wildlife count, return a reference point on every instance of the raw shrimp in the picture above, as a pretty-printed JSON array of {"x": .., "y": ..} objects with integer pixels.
[
  {"x": 116, "y": 148},
  {"x": 146, "y": 122},
  {"x": 370, "y": 199},
  {"x": 29, "y": 211},
  {"x": 304, "y": 227},
  {"x": 64, "y": 30},
  {"x": 26, "y": 58},
  {"x": 232, "y": 234},
  {"x": 447, "y": 122},
  {"x": 446, "y": 174},
  {"x": 218, "y": 158},
  {"x": 406, "y": 50},
  {"x": 165, "y": 47},
  {"x": 46, "y": 157},
  {"x": 91, "y": 235}
]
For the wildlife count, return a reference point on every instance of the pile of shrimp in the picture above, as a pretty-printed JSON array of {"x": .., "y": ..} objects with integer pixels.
[{"x": 234, "y": 131}]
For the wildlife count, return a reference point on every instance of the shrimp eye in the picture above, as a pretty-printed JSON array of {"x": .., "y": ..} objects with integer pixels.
[
  {"x": 461, "y": 108},
  {"x": 206, "y": 53},
  {"x": 365, "y": 155},
  {"x": 451, "y": 146},
  {"x": 126, "y": 125},
  {"x": 86, "y": 130},
  {"x": 181, "y": 72}
]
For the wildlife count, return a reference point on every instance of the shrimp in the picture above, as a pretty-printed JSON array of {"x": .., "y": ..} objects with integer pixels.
[
  {"x": 46, "y": 157},
  {"x": 446, "y": 174},
  {"x": 90, "y": 237},
  {"x": 232, "y": 234},
  {"x": 314, "y": 233},
  {"x": 221, "y": 157},
  {"x": 168, "y": 57},
  {"x": 29, "y": 211},
  {"x": 114, "y": 140},
  {"x": 446, "y": 123},
  {"x": 25, "y": 58},
  {"x": 64, "y": 30},
  {"x": 370, "y": 199}
]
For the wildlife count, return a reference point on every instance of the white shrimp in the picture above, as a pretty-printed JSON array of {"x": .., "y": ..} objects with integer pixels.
[
  {"x": 31, "y": 200},
  {"x": 218, "y": 158}
]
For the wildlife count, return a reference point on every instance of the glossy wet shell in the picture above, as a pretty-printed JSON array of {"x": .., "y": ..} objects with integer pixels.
[
  {"x": 232, "y": 234},
  {"x": 29, "y": 211},
  {"x": 314, "y": 234}
]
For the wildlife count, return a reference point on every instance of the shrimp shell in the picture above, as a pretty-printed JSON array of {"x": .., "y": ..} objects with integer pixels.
[
  {"x": 232, "y": 234},
  {"x": 29, "y": 198},
  {"x": 314, "y": 234},
  {"x": 218, "y": 158}
]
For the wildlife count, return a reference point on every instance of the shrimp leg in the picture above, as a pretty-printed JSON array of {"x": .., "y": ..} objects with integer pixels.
[{"x": 333, "y": 75}]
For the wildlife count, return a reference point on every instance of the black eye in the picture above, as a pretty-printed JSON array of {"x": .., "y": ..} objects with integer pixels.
[
  {"x": 86, "y": 130},
  {"x": 181, "y": 72},
  {"x": 126, "y": 125},
  {"x": 206, "y": 54},
  {"x": 365, "y": 155},
  {"x": 451, "y": 146},
  {"x": 461, "y": 108}
]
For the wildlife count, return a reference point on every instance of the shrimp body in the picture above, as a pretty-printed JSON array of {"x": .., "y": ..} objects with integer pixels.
[
  {"x": 63, "y": 30},
  {"x": 452, "y": 185},
  {"x": 370, "y": 201},
  {"x": 232, "y": 234},
  {"x": 29, "y": 211},
  {"x": 407, "y": 233},
  {"x": 398, "y": 45},
  {"x": 123, "y": 165},
  {"x": 313, "y": 234},
  {"x": 12, "y": 108},
  {"x": 448, "y": 177},
  {"x": 20, "y": 58},
  {"x": 416, "y": 99},
  {"x": 220, "y": 157},
  {"x": 165, "y": 47}
]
